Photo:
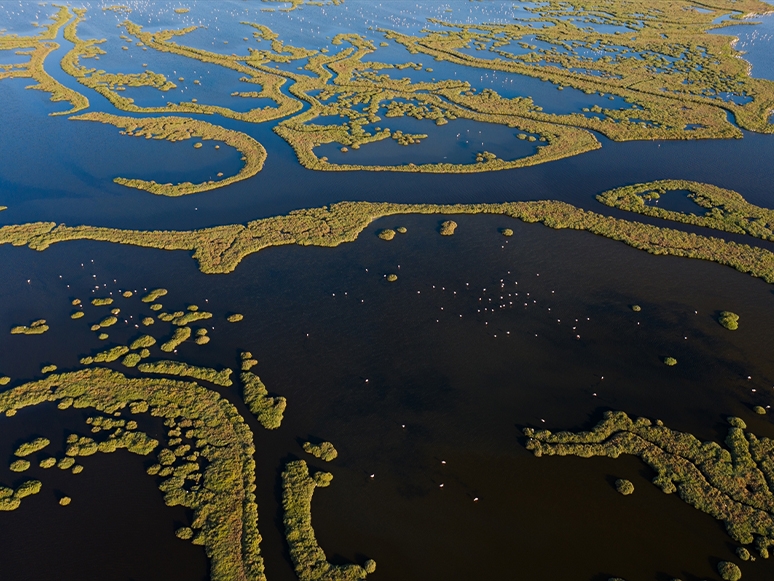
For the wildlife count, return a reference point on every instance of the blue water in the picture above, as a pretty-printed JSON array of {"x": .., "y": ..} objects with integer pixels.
[{"x": 756, "y": 44}]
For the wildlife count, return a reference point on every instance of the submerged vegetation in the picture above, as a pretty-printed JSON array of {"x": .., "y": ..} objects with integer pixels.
[
  {"x": 732, "y": 484},
  {"x": 308, "y": 558}
]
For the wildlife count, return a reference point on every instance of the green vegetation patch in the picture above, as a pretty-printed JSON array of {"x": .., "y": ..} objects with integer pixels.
[
  {"x": 732, "y": 484},
  {"x": 11, "y": 499},
  {"x": 222, "y": 377},
  {"x": 267, "y": 410},
  {"x": 20, "y": 465},
  {"x": 670, "y": 361},
  {"x": 107, "y": 356},
  {"x": 154, "y": 294},
  {"x": 387, "y": 234},
  {"x": 729, "y": 571},
  {"x": 102, "y": 302},
  {"x": 729, "y": 320},
  {"x": 142, "y": 341},
  {"x": 220, "y": 249},
  {"x": 35, "y": 328},
  {"x": 31, "y": 447},
  {"x": 725, "y": 210},
  {"x": 219, "y": 492},
  {"x": 190, "y": 317},
  {"x": 323, "y": 451},
  {"x": 308, "y": 558},
  {"x": 448, "y": 227},
  {"x": 624, "y": 486},
  {"x": 181, "y": 334}
]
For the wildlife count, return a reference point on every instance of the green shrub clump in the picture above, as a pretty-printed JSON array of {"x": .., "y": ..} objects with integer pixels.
[
  {"x": 760, "y": 410},
  {"x": 235, "y": 318},
  {"x": 267, "y": 410},
  {"x": 20, "y": 465},
  {"x": 185, "y": 370},
  {"x": 5, "y": 380},
  {"x": 48, "y": 368},
  {"x": 308, "y": 558},
  {"x": 142, "y": 341},
  {"x": 65, "y": 500},
  {"x": 392, "y": 277},
  {"x": 624, "y": 486},
  {"x": 108, "y": 321},
  {"x": 153, "y": 295},
  {"x": 131, "y": 360},
  {"x": 324, "y": 451},
  {"x": 36, "y": 328},
  {"x": 729, "y": 571},
  {"x": 387, "y": 234},
  {"x": 102, "y": 302},
  {"x": 49, "y": 462},
  {"x": 181, "y": 334},
  {"x": 636, "y": 308},
  {"x": 448, "y": 227},
  {"x": 731, "y": 483},
  {"x": 401, "y": 229},
  {"x": 729, "y": 320},
  {"x": 506, "y": 232},
  {"x": 28, "y": 448},
  {"x": 670, "y": 361},
  {"x": 77, "y": 315},
  {"x": 184, "y": 533}
]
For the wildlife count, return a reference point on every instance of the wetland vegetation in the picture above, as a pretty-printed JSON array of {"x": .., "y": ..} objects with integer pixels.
[
  {"x": 308, "y": 558},
  {"x": 221, "y": 248},
  {"x": 666, "y": 78},
  {"x": 730, "y": 483}
]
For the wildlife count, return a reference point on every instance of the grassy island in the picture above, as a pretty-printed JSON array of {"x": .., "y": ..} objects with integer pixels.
[
  {"x": 448, "y": 227},
  {"x": 268, "y": 410},
  {"x": 221, "y": 248},
  {"x": 724, "y": 210},
  {"x": 732, "y": 484},
  {"x": 670, "y": 79},
  {"x": 180, "y": 335},
  {"x": 36, "y": 328},
  {"x": 324, "y": 451},
  {"x": 219, "y": 491},
  {"x": 222, "y": 377},
  {"x": 729, "y": 320},
  {"x": 153, "y": 295},
  {"x": 308, "y": 558},
  {"x": 178, "y": 129}
]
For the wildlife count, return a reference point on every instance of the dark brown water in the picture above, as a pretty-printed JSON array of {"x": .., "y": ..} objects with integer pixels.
[{"x": 462, "y": 394}]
